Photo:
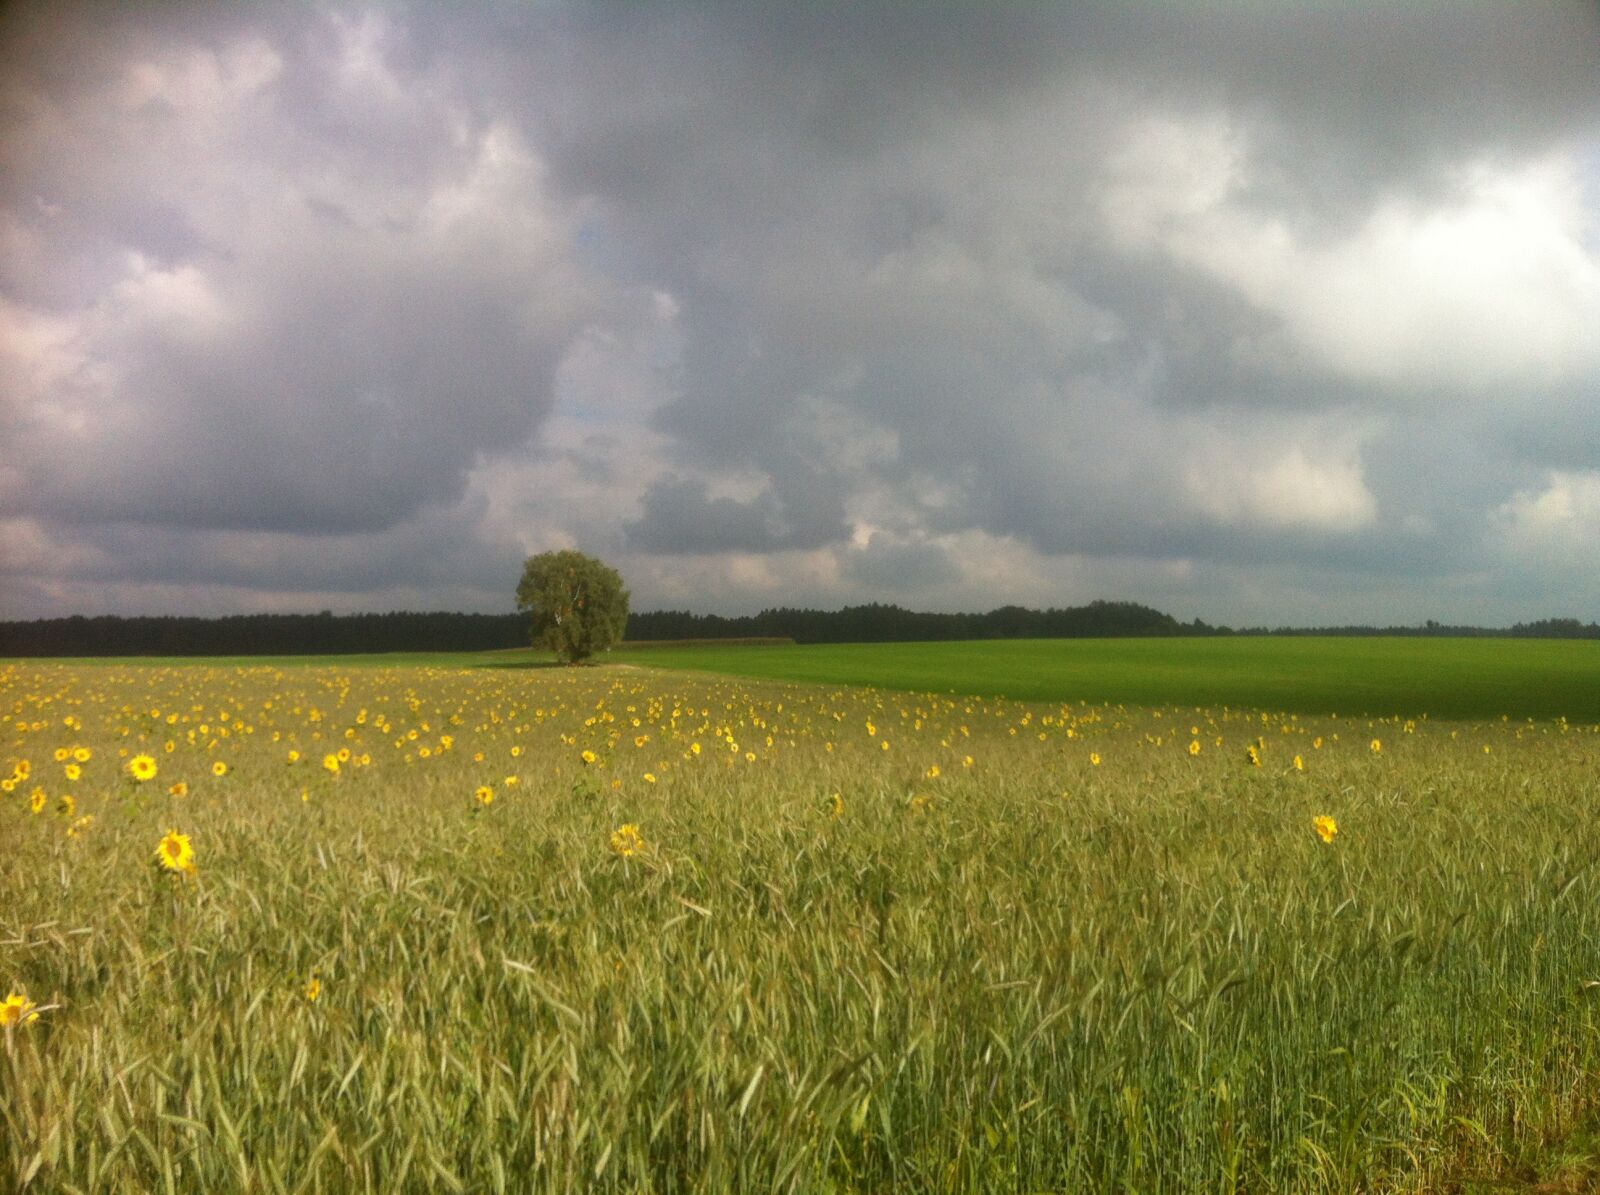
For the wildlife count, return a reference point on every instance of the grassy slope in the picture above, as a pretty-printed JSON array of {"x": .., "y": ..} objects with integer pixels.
[{"x": 1452, "y": 678}]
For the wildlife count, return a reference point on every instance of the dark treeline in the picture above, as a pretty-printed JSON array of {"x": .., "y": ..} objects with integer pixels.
[
  {"x": 1544, "y": 628},
  {"x": 262, "y": 634},
  {"x": 326, "y": 633},
  {"x": 891, "y": 624}
]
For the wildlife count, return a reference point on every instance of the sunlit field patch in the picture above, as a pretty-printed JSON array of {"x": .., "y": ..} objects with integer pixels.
[{"x": 409, "y": 928}]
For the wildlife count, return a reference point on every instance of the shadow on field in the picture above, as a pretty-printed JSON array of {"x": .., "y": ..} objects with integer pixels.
[{"x": 521, "y": 665}]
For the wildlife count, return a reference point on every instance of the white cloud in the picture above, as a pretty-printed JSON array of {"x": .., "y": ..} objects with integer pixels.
[
  {"x": 1289, "y": 489},
  {"x": 201, "y": 83},
  {"x": 1494, "y": 284},
  {"x": 1556, "y": 527}
]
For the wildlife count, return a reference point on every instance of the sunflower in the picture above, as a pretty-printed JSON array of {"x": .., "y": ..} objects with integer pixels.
[
  {"x": 627, "y": 841},
  {"x": 484, "y": 795},
  {"x": 180, "y": 789},
  {"x": 331, "y": 764},
  {"x": 1325, "y": 827},
  {"x": 142, "y": 768},
  {"x": 219, "y": 768},
  {"x": 175, "y": 853},
  {"x": 314, "y": 988},
  {"x": 17, "y": 1009}
]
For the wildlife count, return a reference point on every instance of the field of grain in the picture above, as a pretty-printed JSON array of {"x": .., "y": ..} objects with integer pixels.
[
  {"x": 1349, "y": 675},
  {"x": 380, "y": 928}
]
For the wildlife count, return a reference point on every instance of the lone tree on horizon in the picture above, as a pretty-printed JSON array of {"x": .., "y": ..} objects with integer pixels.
[{"x": 578, "y": 603}]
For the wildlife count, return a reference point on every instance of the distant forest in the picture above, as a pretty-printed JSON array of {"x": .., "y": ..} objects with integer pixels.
[{"x": 327, "y": 633}]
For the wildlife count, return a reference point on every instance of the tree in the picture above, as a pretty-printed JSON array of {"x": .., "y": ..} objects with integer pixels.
[{"x": 578, "y": 603}]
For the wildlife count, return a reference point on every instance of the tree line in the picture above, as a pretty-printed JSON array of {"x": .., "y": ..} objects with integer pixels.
[
  {"x": 327, "y": 633},
  {"x": 877, "y": 623}
]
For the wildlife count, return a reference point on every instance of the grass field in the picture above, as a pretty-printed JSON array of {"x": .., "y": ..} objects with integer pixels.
[
  {"x": 1446, "y": 678},
  {"x": 628, "y": 930},
  {"x": 1454, "y": 678}
]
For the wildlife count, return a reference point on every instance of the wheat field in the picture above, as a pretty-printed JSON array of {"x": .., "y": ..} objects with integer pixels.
[{"x": 333, "y": 928}]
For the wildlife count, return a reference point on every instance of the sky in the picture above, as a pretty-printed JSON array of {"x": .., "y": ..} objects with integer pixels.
[{"x": 1266, "y": 314}]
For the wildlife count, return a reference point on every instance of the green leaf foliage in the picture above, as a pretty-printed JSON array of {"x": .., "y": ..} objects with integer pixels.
[{"x": 579, "y": 604}]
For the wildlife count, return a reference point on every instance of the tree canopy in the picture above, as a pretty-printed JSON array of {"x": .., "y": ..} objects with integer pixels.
[{"x": 579, "y": 604}]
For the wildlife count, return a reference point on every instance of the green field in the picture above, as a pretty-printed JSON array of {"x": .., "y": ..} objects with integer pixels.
[
  {"x": 1439, "y": 678},
  {"x": 1442, "y": 678},
  {"x": 629, "y": 930}
]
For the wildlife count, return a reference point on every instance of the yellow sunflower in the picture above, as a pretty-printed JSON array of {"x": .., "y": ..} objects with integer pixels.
[
  {"x": 627, "y": 841},
  {"x": 17, "y": 1009},
  {"x": 142, "y": 768},
  {"x": 175, "y": 853}
]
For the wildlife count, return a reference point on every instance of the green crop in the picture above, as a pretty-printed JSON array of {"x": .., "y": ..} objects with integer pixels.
[{"x": 856, "y": 940}]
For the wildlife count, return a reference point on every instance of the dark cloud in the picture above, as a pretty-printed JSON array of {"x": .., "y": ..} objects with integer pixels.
[
  {"x": 905, "y": 569},
  {"x": 331, "y": 294},
  {"x": 679, "y": 516},
  {"x": 1224, "y": 301}
]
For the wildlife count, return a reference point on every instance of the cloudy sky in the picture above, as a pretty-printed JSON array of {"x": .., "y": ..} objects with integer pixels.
[{"x": 1263, "y": 313}]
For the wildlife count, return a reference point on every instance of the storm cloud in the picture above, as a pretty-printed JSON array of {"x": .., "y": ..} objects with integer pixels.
[{"x": 1276, "y": 314}]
